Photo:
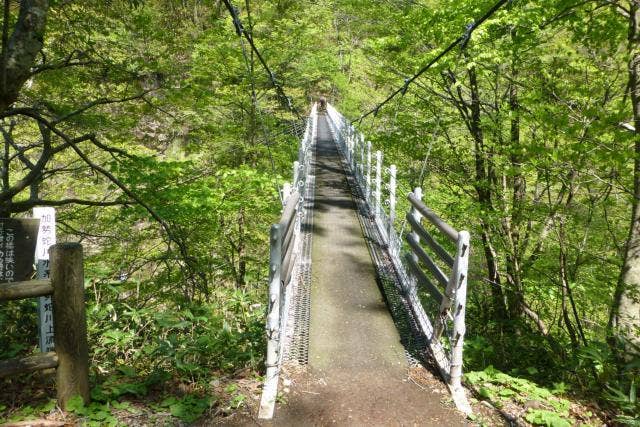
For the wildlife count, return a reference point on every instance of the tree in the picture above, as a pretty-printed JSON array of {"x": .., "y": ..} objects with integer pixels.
[{"x": 625, "y": 312}]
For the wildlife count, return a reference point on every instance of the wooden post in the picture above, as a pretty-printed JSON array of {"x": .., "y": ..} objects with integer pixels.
[
  {"x": 38, "y": 362},
  {"x": 21, "y": 290},
  {"x": 378, "y": 182},
  {"x": 70, "y": 322}
]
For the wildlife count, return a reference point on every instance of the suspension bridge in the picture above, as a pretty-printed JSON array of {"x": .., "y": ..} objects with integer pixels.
[{"x": 360, "y": 292}]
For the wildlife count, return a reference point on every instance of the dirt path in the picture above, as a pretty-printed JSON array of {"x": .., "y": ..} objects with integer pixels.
[{"x": 358, "y": 373}]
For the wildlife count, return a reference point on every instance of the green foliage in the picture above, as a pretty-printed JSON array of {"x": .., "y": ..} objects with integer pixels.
[
  {"x": 188, "y": 408},
  {"x": 542, "y": 417},
  {"x": 28, "y": 412},
  {"x": 500, "y": 388},
  {"x": 191, "y": 340},
  {"x": 95, "y": 414}
]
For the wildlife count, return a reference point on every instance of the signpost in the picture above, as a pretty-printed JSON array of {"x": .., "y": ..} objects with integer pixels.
[
  {"x": 46, "y": 239},
  {"x": 17, "y": 237}
]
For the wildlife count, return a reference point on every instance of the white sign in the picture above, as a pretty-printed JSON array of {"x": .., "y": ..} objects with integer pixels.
[{"x": 46, "y": 238}]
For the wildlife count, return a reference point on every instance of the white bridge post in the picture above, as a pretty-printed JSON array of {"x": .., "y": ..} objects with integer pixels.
[
  {"x": 268, "y": 402},
  {"x": 347, "y": 143},
  {"x": 459, "y": 280},
  {"x": 286, "y": 192},
  {"x": 343, "y": 133},
  {"x": 296, "y": 173},
  {"x": 459, "y": 276},
  {"x": 368, "y": 180},
  {"x": 361, "y": 165},
  {"x": 352, "y": 148},
  {"x": 392, "y": 199},
  {"x": 378, "y": 193},
  {"x": 417, "y": 216}
]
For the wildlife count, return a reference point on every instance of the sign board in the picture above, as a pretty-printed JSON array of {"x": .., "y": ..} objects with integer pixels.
[
  {"x": 17, "y": 244},
  {"x": 46, "y": 238}
]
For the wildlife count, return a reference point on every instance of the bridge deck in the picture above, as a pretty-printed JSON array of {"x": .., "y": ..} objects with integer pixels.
[{"x": 358, "y": 372}]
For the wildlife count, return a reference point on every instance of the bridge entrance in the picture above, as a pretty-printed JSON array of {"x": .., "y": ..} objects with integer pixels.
[{"x": 357, "y": 372}]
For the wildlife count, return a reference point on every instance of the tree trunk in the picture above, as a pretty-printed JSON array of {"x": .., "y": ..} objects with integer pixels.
[
  {"x": 19, "y": 53},
  {"x": 625, "y": 311},
  {"x": 482, "y": 187},
  {"x": 242, "y": 262},
  {"x": 518, "y": 184}
]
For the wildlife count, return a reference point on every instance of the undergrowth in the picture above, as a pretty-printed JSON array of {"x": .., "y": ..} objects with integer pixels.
[
  {"x": 173, "y": 357},
  {"x": 546, "y": 383}
]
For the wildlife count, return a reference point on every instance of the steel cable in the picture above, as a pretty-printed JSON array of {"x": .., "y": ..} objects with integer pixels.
[
  {"x": 461, "y": 40},
  {"x": 288, "y": 103}
]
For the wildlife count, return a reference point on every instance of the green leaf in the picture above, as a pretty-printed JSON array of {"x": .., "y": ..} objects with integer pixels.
[
  {"x": 546, "y": 418},
  {"x": 76, "y": 404}
]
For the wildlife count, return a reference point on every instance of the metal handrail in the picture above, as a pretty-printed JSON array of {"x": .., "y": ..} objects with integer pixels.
[
  {"x": 448, "y": 230},
  {"x": 285, "y": 258},
  {"x": 417, "y": 265}
]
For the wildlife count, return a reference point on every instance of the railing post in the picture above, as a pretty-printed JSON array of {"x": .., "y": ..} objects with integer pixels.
[
  {"x": 361, "y": 165},
  {"x": 301, "y": 151},
  {"x": 347, "y": 143},
  {"x": 267, "y": 404},
  {"x": 392, "y": 198},
  {"x": 314, "y": 123},
  {"x": 352, "y": 156},
  {"x": 355, "y": 153},
  {"x": 417, "y": 192},
  {"x": 459, "y": 276},
  {"x": 378, "y": 182},
  {"x": 286, "y": 192},
  {"x": 296, "y": 173},
  {"x": 368, "y": 181},
  {"x": 70, "y": 322}
]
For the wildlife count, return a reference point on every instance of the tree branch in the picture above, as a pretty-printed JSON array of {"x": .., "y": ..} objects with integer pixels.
[
  {"x": 25, "y": 205},
  {"x": 64, "y": 63},
  {"x": 100, "y": 101},
  {"x": 7, "y": 194}
]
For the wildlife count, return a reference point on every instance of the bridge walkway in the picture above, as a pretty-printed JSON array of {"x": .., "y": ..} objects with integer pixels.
[{"x": 357, "y": 371}]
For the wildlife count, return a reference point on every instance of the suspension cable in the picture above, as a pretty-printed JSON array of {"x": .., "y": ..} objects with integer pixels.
[
  {"x": 434, "y": 135},
  {"x": 462, "y": 40},
  {"x": 284, "y": 99},
  {"x": 256, "y": 105}
]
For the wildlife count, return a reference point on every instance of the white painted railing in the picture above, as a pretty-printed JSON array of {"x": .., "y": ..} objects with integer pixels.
[
  {"x": 425, "y": 260},
  {"x": 285, "y": 257}
]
